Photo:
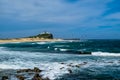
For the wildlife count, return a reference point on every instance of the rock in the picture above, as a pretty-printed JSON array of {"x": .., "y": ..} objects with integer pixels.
[
  {"x": 20, "y": 77},
  {"x": 70, "y": 65},
  {"x": 77, "y": 52},
  {"x": 37, "y": 69},
  {"x": 84, "y": 52},
  {"x": 5, "y": 78},
  {"x": 84, "y": 63},
  {"x": 29, "y": 70},
  {"x": 110, "y": 62},
  {"x": 46, "y": 79},
  {"x": 70, "y": 71},
  {"x": 37, "y": 77},
  {"x": 25, "y": 70},
  {"x": 62, "y": 68},
  {"x": 62, "y": 63},
  {"x": 50, "y": 69},
  {"x": 78, "y": 66}
]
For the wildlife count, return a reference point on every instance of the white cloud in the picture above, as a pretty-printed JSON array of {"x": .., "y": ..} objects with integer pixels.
[{"x": 56, "y": 11}]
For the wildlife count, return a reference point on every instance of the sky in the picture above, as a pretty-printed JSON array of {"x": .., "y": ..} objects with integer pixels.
[{"x": 85, "y": 19}]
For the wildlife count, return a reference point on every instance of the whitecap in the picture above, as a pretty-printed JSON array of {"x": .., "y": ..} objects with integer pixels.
[
  {"x": 64, "y": 49},
  {"x": 56, "y": 49},
  {"x": 42, "y": 42},
  {"x": 105, "y": 54},
  {"x": 7, "y": 66}
]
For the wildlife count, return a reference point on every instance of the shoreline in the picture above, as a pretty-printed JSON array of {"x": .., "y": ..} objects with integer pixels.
[
  {"x": 33, "y": 40},
  {"x": 29, "y": 40}
]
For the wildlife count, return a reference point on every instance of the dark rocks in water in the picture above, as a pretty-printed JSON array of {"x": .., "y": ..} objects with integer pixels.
[
  {"x": 22, "y": 74},
  {"x": 37, "y": 69},
  {"x": 46, "y": 79},
  {"x": 34, "y": 72},
  {"x": 37, "y": 77},
  {"x": 84, "y": 52},
  {"x": 62, "y": 68},
  {"x": 110, "y": 62},
  {"x": 84, "y": 62},
  {"x": 78, "y": 66},
  {"x": 25, "y": 70},
  {"x": 62, "y": 63},
  {"x": 70, "y": 65},
  {"x": 70, "y": 71},
  {"x": 77, "y": 52},
  {"x": 20, "y": 77},
  {"x": 29, "y": 70},
  {"x": 5, "y": 78}
]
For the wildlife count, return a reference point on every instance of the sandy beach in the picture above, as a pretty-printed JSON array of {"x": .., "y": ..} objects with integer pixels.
[{"x": 29, "y": 40}]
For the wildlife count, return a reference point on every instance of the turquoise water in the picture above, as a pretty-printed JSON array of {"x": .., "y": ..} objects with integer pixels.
[{"x": 56, "y": 59}]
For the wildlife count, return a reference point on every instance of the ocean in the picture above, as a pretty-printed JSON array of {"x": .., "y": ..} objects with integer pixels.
[{"x": 59, "y": 60}]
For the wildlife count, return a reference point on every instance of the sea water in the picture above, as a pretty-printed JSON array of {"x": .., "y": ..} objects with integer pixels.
[{"x": 59, "y": 62}]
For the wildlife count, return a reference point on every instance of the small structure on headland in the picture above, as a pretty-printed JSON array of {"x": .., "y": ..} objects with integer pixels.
[{"x": 43, "y": 35}]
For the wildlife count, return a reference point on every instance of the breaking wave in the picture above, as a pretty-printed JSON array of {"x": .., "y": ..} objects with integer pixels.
[{"x": 105, "y": 54}]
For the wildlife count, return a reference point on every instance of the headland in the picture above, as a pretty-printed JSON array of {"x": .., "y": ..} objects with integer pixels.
[{"x": 45, "y": 36}]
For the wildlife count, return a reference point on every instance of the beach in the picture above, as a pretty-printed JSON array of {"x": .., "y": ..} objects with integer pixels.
[{"x": 28, "y": 40}]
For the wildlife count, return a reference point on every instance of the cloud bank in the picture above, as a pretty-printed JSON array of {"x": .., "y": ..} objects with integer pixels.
[{"x": 73, "y": 14}]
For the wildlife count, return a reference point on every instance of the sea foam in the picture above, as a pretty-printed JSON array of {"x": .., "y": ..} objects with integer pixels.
[{"x": 105, "y": 54}]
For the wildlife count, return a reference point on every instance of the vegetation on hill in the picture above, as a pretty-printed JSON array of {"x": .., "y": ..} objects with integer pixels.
[{"x": 44, "y": 35}]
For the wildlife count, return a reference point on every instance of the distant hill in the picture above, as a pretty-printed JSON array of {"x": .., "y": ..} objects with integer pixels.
[{"x": 44, "y": 35}]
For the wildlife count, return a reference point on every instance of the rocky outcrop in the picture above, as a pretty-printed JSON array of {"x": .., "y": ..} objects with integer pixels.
[
  {"x": 44, "y": 35},
  {"x": 29, "y": 70},
  {"x": 5, "y": 78},
  {"x": 35, "y": 72},
  {"x": 37, "y": 77},
  {"x": 20, "y": 77}
]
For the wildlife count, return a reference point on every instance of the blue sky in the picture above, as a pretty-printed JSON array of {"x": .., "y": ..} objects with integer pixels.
[{"x": 86, "y": 19}]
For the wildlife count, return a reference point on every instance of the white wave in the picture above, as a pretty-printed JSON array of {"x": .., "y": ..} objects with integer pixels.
[
  {"x": 64, "y": 49},
  {"x": 16, "y": 42},
  {"x": 7, "y": 66},
  {"x": 56, "y": 69},
  {"x": 11, "y": 42},
  {"x": 44, "y": 42},
  {"x": 52, "y": 70},
  {"x": 41, "y": 42},
  {"x": 55, "y": 49},
  {"x": 2, "y": 48},
  {"x": 105, "y": 54},
  {"x": 33, "y": 43}
]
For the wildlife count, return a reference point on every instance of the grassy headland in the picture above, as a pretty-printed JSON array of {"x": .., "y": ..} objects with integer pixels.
[{"x": 40, "y": 37}]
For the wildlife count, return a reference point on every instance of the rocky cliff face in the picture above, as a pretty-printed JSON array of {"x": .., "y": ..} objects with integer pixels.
[{"x": 44, "y": 35}]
